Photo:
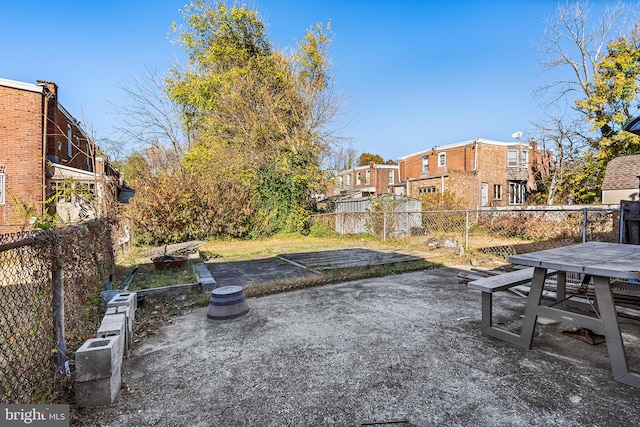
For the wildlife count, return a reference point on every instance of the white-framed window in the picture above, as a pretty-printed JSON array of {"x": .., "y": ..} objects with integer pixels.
[
  {"x": 525, "y": 158},
  {"x": 516, "y": 192},
  {"x": 340, "y": 178},
  {"x": 62, "y": 192},
  {"x": 497, "y": 192},
  {"x": 425, "y": 190},
  {"x": 89, "y": 155},
  {"x": 358, "y": 178},
  {"x": 367, "y": 177},
  {"x": 78, "y": 146},
  {"x": 442, "y": 159},
  {"x": 391, "y": 177},
  {"x": 512, "y": 158},
  {"x": 2, "y": 189},
  {"x": 425, "y": 164},
  {"x": 69, "y": 141},
  {"x": 349, "y": 179}
]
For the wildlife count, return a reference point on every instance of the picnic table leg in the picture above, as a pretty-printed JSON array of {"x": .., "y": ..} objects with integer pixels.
[
  {"x": 561, "y": 285},
  {"x": 531, "y": 310},
  {"x": 615, "y": 345}
]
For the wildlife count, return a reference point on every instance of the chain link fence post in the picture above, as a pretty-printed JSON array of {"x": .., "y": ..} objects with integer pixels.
[
  {"x": 466, "y": 233},
  {"x": 584, "y": 225},
  {"x": 57, "y": 288}
]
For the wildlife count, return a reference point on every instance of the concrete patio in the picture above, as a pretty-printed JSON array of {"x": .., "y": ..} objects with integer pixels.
[{"x": 401, "y": 350}]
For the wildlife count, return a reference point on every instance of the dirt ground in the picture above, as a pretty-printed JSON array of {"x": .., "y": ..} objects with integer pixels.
[{"x": 398, "y": 350}]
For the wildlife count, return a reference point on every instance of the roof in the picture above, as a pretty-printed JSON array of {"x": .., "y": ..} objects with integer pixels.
[
  {"x": 21, "y": 85},
  {"x": 463, "y": 143},
  {"x": 622, "y": 173}
]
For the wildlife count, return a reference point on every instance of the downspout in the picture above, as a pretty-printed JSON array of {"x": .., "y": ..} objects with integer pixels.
[
  {"x": 46, "y": 95},
  {"x": 475, "y": 155},
  {"x": 475, "y": 169}
]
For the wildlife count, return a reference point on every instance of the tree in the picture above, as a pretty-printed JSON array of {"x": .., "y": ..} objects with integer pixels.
[
  {"x": 562, "y": 139},
  {"x": 342, "y": 158},
  {"x": 365, "y": 158},
  {"x": 612, "y": 96},
  {"x": 260, "y": 119},
  {"x": 571, "y": 44}
]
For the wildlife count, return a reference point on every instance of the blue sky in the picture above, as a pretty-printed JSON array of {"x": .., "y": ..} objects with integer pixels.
[{"x": 414, "y": 74}]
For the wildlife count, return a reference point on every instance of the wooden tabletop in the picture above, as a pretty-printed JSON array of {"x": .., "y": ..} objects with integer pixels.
[{"x": 594, "y": 258}]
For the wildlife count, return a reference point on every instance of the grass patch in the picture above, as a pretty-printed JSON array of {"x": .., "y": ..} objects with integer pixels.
[
  {"x": 242, "y": 250},
  {"x": 147, "y": 276},
  {"x": 336, "y": 276}
]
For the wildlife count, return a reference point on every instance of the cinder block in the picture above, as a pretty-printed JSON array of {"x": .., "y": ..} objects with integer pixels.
[
  {"x": 114, "y": 325},
  {"x": 125, "y": 299},
  {"x": 116, "y": 312},
  {"x": 204, "y": 277},
  {"x": 102, "y": 391},
  {"x": 98, "y": 358}
]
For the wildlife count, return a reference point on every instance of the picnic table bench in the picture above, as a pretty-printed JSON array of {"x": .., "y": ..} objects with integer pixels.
[{"x": 503, "y": 282}]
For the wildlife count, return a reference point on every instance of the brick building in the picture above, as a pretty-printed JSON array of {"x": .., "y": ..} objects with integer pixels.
[
  {"x": 482, "y": 172},
  {"x": 42, "y": 146},
  {"x": 363, "y": 181}
]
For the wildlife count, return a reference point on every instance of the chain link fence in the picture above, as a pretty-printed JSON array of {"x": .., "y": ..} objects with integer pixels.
[
  {"x": 498, "y": 233},
  {"x": 50, "y": 285}
]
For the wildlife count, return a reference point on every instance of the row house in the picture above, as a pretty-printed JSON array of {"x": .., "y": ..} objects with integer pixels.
[
  {"x": 370, "y": 180},
  {"x": 43, "y": 147},
  {"x": 485, "y": 173}
]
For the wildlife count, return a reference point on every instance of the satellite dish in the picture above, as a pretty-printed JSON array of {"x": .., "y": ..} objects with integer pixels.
[{"x": 516, "y": 135}]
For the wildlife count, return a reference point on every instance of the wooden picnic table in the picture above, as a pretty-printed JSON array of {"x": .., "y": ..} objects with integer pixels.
[{"x": 604, "y": 263}]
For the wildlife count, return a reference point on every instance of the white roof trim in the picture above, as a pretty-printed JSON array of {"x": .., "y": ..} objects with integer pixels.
[
  {"x": 463, "y": 143},
  {"x": 366, "y": 167},
  {"x": 68, "y": 171},
  {"x": 21, "y": 85}
]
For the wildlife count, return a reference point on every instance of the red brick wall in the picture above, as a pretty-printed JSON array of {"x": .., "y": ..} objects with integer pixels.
[
  {"x": 57, "y": 140},
  {"x": 20, "y": 153},
  {"x": 461, "y": 176},
  {"x": 378, "y": 178}
]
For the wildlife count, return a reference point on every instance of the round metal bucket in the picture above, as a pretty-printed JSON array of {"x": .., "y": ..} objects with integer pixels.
[{"x": 227, "y": 303}]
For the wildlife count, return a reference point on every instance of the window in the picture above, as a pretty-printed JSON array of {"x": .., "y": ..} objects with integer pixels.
[
  {"x": 1, "y": 189},
  {"x": 497, "y": 192},
  {"x": 442, "y": 159},
  {"x": 525, "y": 158},
  {"x": 367, "y": 179},
  {"x": 391, "y": 177},
  {"x": 512, "y": 158},
  {"x": 349, "y": 179},
  {"x": 516, "y": 192},
  {"x": 425, "y": 164},
  {"x": 358, "y": 178},
  {"x": 62, "y": 192},
  {"x": 340, "y": 180},
  {"x": 425, "y": 190},
  {"x": 89, "y": 158},
  {"x": 86, "y": 192},
  {"x": 69, "y": 141}
]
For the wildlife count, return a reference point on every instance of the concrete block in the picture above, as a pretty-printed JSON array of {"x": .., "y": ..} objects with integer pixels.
[
  {"x": 115, "y": 313},
  {"x": 98, "y": 358},
  {"x": 125, "y": 299},
  {"x": 204, "y": 277},
  {"x": 115, "y": 325},
  {"x": 102, "y": 391}
]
